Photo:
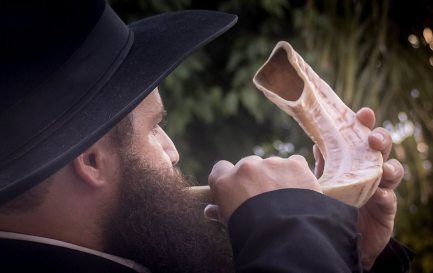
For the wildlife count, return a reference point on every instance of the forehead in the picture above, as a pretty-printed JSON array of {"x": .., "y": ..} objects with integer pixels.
[{"x": 152, "y": 104}]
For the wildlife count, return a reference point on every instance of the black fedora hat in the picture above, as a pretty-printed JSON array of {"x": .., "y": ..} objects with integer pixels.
[{"x": 70, "y": 70}]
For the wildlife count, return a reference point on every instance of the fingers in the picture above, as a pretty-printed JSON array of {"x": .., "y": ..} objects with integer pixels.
[
  {"x": 366, "y": 116},
  {"x": 384, "y": 202},
  {"x": 251, "y": 159},
  {"x": 380, "y": 140},
  {"x": 300, "y": 159},
  {"x": 219, "y": 169},
  {"x": 234, "y": 184},
  {"x": 393, "y": 173}
]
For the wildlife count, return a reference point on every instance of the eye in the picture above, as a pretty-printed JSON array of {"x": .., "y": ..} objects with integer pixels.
[{"x": 157, "y": 127}]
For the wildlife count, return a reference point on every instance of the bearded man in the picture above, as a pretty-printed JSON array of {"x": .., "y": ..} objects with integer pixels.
[{"x": 88, "y": 178}]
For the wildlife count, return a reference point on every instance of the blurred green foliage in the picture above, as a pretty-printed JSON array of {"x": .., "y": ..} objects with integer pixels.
[{"x": 374, "y": 53}]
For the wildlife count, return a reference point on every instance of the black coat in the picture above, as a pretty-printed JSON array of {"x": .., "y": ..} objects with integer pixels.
[
  {"x": 302, "y": 231},
  {"x": 28, "y": 255},
  {"x": 291, "y": 230}
]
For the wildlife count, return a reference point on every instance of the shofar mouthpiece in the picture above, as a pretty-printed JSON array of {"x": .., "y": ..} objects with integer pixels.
[{"x": 352, "y": 169}]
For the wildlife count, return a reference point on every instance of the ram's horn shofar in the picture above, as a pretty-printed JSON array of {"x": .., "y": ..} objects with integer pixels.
[{"x": 352, "y": 169}]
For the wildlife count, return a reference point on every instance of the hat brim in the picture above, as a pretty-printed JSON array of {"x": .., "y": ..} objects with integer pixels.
[{"x": 161, "y": 43}]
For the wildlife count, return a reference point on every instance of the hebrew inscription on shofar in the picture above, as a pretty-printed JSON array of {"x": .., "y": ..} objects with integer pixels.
[{"x": 352, "y": 169}]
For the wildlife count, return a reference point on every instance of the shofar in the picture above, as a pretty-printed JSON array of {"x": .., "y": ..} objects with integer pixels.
[{"x": 352, "y": 169}]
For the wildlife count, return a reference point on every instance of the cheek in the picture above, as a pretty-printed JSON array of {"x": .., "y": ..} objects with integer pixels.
[{"x": 150, "y": 150}]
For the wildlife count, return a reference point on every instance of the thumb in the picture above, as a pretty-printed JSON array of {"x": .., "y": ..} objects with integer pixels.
[{"x": 211, "y": 212}]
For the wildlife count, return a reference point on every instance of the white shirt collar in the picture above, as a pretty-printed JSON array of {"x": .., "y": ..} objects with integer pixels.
[{"x": 25, "y": 237}]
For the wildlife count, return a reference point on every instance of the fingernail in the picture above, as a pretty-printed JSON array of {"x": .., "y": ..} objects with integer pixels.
[
  {"x": 379, "y": 136},
  {"x": 211, "y": 212}
]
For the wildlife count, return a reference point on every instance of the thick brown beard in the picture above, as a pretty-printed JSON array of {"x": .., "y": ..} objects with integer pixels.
[{"x": 159, "y": 225}]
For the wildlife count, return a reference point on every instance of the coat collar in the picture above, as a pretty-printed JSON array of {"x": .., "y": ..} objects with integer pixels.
[{"x": 47, "y": 242}]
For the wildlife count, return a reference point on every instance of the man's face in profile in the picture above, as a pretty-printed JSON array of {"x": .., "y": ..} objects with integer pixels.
[{"x": 156, "y": 222}]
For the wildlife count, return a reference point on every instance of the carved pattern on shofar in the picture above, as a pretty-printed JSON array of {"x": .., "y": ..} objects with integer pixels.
[{"x": 352, "y": 169}]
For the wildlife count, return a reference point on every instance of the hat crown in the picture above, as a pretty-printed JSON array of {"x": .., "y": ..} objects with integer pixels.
[{"x": 37, "y": 38}]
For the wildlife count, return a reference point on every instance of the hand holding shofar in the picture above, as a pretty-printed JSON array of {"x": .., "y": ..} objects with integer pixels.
[{"x": 352, "y": 170}]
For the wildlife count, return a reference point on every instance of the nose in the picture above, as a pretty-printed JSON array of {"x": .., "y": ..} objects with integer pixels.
[{"x": 169, "y": 147}]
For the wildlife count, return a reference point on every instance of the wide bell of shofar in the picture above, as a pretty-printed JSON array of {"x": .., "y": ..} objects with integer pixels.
[{"x": 352, "y": 169}]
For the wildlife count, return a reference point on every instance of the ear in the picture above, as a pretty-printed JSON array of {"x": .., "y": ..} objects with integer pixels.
[{"x": 92, "y": 167}]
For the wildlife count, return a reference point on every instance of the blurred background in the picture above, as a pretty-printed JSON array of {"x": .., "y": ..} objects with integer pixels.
[{"x": 373, "y": 53}]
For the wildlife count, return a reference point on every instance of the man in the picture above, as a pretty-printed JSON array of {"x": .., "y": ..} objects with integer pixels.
[{"x": 88, "y": 181}]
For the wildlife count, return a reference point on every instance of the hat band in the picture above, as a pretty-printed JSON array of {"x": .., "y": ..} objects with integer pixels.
[{"x": 71, "y": 87}]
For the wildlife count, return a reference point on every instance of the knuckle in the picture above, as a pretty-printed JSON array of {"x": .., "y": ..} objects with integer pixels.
[
  {"x": 219, "y": 169},
  {"x": 394, "y": 199},
  {"x": 247, "y": 166},
  {"x": 384, "y": 133},
  {"x": 397, "y": 165},
  {"x": 211, "y": 178},
  {"x": 297, "y": 157},
  {"x": 213, "y": 174},
  {"x": 399, "y": 170},
  {"x": 251, "y": 158},
  {"x": 298, "y": 160},
  {"x": 390, "y": 201},
  {"x": 274, "y": 161},
  {"x": 216, "y": 183},
  {"x": 218, "y": 163}
]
